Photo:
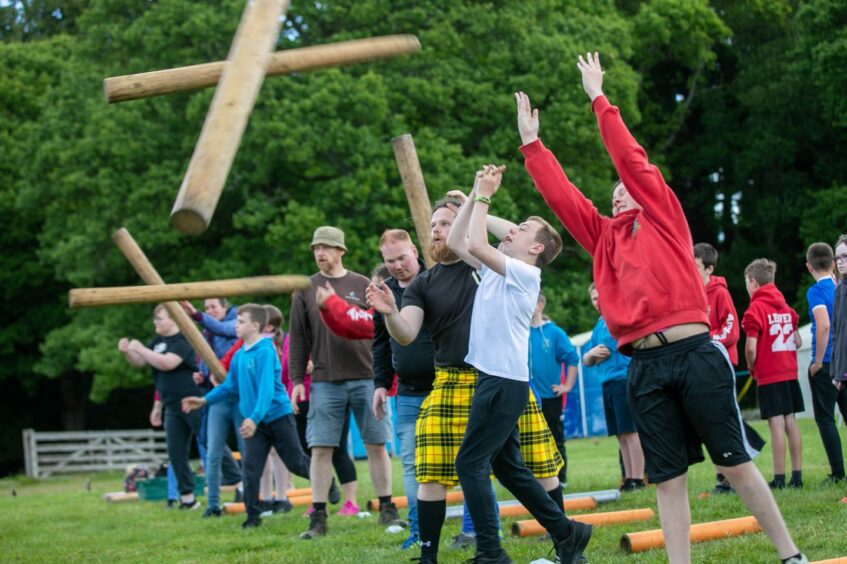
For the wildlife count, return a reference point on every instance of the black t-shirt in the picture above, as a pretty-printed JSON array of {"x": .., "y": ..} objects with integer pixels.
[
  {"x": 446, "y": 295},
  {"x": 178, "y": 383}
]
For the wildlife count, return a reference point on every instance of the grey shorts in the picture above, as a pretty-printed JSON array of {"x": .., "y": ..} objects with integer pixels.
[{"x": 328, "y": 403}]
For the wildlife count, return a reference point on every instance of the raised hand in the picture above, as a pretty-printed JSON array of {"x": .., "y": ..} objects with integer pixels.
[
  {"x": 592, "y": 74},
  {"x": 322, "y": 294},
  {"x": 527, "y": 119},
  {"x": 488, "y": 179},
  {"x": 123, "y": 345},
  {"x": 381, "y": 298},
  {"x": 188, "y": 307}
]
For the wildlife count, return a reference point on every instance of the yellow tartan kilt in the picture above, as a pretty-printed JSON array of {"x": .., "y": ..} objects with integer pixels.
[{"x": 443, "y": 419}]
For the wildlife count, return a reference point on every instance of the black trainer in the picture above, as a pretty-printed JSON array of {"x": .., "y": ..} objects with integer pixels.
[
  {"x": 388, "y": 515},
  {"x": 251, "y": 523},
  {"x": 777, "y": 484},
  {"x": 723, "y": 487},
  {"x": 282, "y": 506},
  {"x": 569, "y": 550},
  {"x": 425, "y": 559},
  {"x": 334, "y": 495},
  {"x": 191, "y": 505},
  {"x": 832, "y": 480},
  {"x": 481, "y": 558},
  {"x": 317, "y": 525},
  {"x": 212, "y": 512}
]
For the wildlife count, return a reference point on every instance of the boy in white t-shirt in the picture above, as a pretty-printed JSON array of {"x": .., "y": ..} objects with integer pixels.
[{"x": 498, "y": 349}]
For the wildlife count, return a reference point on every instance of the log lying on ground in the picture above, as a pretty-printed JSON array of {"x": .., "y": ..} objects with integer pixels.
[
  {"x": 119, "y": 497},
  {"x": 570, "y": 505},
  {"x": 403, "y": 501},
  {"x": 531, "y": 527},
  {"x": 228, "y": 115},
  {"x": 120, "y": 295},
  {"x": 647, "y": 540},
  {"x": 600, "y": 496},
  {"x": 840, "y": 560},
  {"x": 240, "y": 507},
  {"x": 181, "y": 79}
]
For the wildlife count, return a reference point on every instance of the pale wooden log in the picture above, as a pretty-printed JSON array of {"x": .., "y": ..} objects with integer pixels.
[
  {"x": 228, "y": 114},
  {"x": 148, "y": 274},
  {"x": 415, "y": 187},
  {"x": 181, "y": 79},
  {"x": 256, "y": 286}
]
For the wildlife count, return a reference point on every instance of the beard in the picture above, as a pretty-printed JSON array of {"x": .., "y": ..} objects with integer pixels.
[{"x": 440, "y": 252}]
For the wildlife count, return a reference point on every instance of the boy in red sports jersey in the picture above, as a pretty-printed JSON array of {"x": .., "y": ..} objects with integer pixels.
[
  {"x": 681, "y": 385},
  {"x": 772, "y": 341}
]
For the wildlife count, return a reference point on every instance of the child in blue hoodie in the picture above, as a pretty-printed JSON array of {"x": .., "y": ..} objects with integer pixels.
[{"x": 254, "y": 380}]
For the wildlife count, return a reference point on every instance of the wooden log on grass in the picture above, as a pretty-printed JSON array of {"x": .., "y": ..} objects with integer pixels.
[
  {"x": 120, "y": 497},
  {"x": 255, "y": 286},
  {"x": 237, "y": 508},
  {"x": 403, "y": 501},
  {"x": 148, "y": 274},
  {"x": 570, "y": 505},
  {"x": 181, "y": 79},
  {"x": 531, "y": 527},
  {"x": 647, "y": 540},
  {"x": 415, "y": 187},
  {"x": 228, "y": 114},
  {"x": 840, "y": 560}
]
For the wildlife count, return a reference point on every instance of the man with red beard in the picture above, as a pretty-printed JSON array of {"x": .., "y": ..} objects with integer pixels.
[{"x": 441, "y": 301}]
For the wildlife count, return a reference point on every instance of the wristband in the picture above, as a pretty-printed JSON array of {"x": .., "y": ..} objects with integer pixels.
[{"x": 484, "y": 199}]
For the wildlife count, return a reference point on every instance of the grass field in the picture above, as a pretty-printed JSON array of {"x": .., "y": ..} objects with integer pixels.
[{"x": 57, "y": 519}]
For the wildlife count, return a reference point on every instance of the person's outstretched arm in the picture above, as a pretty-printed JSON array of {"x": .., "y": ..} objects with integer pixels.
[
  {"x": 576, "y": 212},
  {"x": 642, "y": 180},
  {"x": 404, "y": 325},
  {"x": 487, "y": 182},
  {"x": 457, "y": 240}
]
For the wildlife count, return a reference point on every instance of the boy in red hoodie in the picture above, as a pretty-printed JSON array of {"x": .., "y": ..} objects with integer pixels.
[
  {"x": 771, "y": 351},
  {"x": 681, "y": 385},
  {"x": 723, "y": 328}
]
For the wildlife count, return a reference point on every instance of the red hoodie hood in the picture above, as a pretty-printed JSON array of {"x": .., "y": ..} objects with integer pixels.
[
  {"x": 770, "y": 295},
  {"x": 715, "y": 282}
]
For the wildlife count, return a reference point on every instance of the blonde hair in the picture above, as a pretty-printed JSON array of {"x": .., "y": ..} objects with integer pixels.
[
  {"x": 395, "y": 236},
  {"x": 762, "y": 270}
]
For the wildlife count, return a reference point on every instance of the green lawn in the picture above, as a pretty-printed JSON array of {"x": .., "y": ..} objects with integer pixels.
[{"x": 59, "y": 520}]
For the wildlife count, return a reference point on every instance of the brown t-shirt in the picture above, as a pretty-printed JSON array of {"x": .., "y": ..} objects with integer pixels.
[{"x": 336, "y": 359}]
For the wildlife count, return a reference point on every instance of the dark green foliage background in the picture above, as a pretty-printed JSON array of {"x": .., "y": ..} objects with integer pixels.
[{"x": 735, "y": 100}]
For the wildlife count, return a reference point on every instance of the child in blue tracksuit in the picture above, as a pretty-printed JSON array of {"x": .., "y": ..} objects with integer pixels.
[
  {"x": 549, "y": 349},
  {"x": 610, "y": 368},
  {"x": 254, "y": 380}
]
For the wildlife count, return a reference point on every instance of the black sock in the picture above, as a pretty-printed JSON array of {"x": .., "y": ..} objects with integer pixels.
[
  {"x": 319, "y": 505},
  {"x": 779, "y": 478},
  {"x": 558, "y": 497},
  {"x": 720, "y": 477},
  {"x": 384, "y": 499},
  {"x": 798, "y": 556},
  {"x": 431, "y": 516},
  {"x": 796, "y": 475}
]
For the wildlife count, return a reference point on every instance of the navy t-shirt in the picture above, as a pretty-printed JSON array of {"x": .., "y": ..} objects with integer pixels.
[{"x": 173, "y": 385}]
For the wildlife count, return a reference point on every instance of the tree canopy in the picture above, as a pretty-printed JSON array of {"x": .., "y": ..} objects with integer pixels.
[{"x": 739, "y": 102}]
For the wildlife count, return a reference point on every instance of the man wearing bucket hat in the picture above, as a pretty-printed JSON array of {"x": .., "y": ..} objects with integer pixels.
[{"x": 342, "y": 377}]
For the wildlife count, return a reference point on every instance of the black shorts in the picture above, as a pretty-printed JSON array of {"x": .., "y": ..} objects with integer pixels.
[
  {"x": 618, "y": 416},
  {"x": 780, "y": 398},
  {"x": 682, "y": 396}
]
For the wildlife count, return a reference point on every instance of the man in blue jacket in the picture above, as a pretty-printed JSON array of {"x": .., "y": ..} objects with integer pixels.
[
  {"x": 549, "y": 349},
  {"x": 254, "y": 381}
]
